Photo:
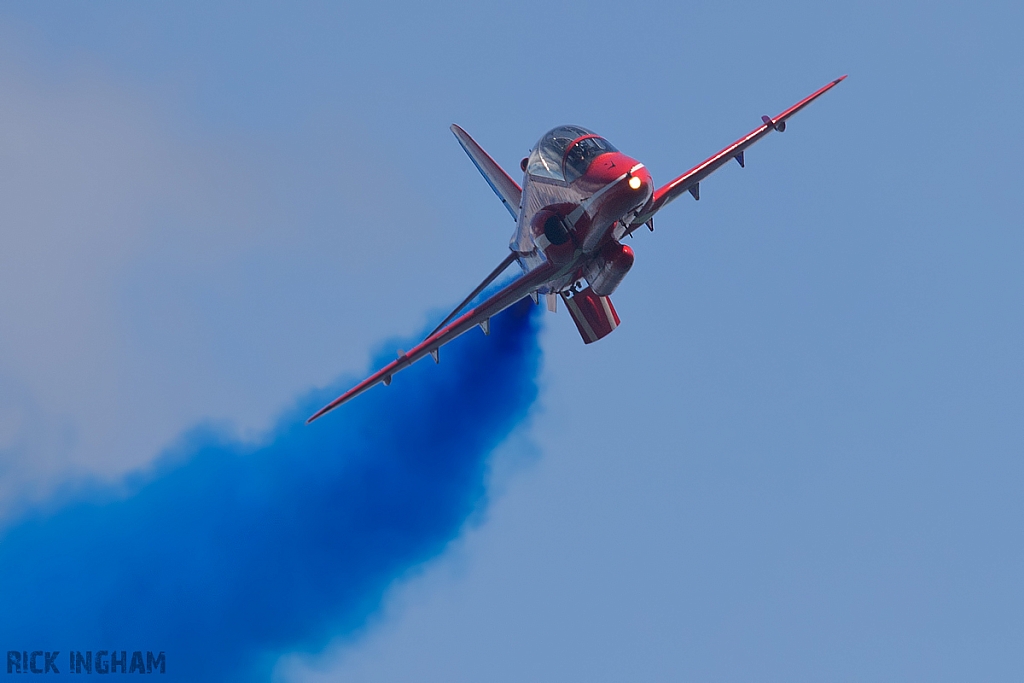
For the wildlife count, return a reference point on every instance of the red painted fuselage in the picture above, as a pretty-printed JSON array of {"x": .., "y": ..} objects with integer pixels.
[{"x": 579, "y": 195}]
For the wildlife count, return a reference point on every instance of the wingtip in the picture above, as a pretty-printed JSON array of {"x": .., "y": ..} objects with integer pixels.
[
  {"x": 326, "y": 409},
  {"x": 841, "y": 78}
]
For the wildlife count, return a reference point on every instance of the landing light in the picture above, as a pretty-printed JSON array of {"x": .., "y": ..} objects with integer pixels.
[{"x": 635, "y": 182}]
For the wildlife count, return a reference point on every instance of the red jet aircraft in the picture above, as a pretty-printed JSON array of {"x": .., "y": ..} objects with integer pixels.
[{"x": 580, "y": 197}]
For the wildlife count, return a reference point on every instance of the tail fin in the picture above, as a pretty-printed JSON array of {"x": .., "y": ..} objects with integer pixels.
[
  {"x": 594, "y": 315},
  {"x": 508, "y": 190}
]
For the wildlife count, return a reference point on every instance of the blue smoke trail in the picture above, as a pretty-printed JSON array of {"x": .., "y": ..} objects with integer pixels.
[{"x": 232, "y": 554}]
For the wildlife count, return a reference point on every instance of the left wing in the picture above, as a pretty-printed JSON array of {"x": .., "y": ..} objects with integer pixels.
[
  {"x": 480, "y": 315},
  {"x": 690, "y": 181}
]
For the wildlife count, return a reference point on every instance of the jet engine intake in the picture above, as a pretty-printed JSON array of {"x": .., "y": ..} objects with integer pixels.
[
  {"x": 555, "y": 230},
  {"x": 552, "y": 236},
  {"x": 606, "y": 271}
]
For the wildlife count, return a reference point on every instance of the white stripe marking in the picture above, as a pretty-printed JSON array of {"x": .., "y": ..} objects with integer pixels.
[
  {"x": 578, "y": 316},
  {"x": 608, "y": 312}
]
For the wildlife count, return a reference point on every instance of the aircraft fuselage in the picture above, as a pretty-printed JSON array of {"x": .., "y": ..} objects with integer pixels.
[{"x": 575, "y": 223}]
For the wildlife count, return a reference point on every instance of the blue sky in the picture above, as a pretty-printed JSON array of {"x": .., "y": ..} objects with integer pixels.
[{"x": 799, "y": 456}]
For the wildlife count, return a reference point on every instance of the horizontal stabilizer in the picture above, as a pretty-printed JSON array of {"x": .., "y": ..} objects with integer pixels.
[
  {"x": 594, "y": 315},
  {"x": 508, "y": 260}
]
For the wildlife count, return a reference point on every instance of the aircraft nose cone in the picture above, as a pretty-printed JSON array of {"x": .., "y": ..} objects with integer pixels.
[
  {"x": 640, "y": 182},
  {"x": 615, "y": 197},
  {"x": 634, "y": 190}
]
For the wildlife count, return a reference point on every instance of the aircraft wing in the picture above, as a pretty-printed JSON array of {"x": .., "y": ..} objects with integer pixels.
[
  {"x": 480, "y": 315},
  {"x": 690, "y": 181},
  {"x": 508, "y": 190}
]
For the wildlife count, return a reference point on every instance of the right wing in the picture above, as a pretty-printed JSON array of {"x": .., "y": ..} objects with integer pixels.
[
  {"x": 690, "y": 181},
  {"x": 508, "y": 190},
  {"x": 480, "y": 315}
]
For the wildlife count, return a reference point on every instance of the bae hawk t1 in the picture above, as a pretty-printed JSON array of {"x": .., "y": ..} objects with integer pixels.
[{"x": 580, "y": 196}]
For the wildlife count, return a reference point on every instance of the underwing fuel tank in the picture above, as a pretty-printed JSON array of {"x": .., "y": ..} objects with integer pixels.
[{"x": 606, "y": 271}]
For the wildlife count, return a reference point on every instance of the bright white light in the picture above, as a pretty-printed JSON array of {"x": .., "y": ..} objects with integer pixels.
[{"x": 635, "y": 182}]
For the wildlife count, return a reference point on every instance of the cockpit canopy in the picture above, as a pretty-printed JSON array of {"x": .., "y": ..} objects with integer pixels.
[{"x": 564, "y": 153}]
